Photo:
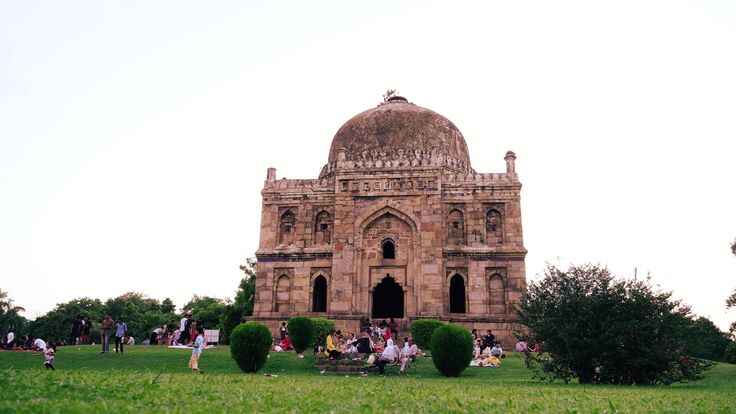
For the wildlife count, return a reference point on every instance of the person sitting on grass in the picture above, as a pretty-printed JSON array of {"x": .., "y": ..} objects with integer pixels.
[
  {"x": 364, "y": 345},
  {"x": 476, "y": 349},
  {"x": 48, "y": 356},
  {"x": 331, "y": 346},
  {"x": 497, "y": 351},
  {"x": 388, "y": 356},
  {"x": 39, "y": 345},
  {"x": 197, "y": 348}
]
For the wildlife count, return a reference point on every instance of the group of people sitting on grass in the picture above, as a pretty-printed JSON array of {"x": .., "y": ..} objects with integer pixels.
[
  {"x": 30, "y": 343},
  {"x": 379, "y": 349}
]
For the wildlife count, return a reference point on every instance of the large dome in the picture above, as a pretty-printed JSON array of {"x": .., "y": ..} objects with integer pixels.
[{"x": 399, "y": 126}]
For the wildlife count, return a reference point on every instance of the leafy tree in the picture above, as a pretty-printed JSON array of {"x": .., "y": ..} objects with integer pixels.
[
  {"x": 249, "y": 346},
  {"x": 243, "y": 305},
  {"x": 731, "y": 301},
  {"x": 10, "y": 316},
  {"x": 56, "y": 325},
  {"x": 703, "y": 339},
  {"x": 452, "y": 349},
  {"x": 602, "y": 330},
  {"x": 167, "y": 306},
  {"x": 207, "y": 310},
  {"x": 142, "y": 314}
]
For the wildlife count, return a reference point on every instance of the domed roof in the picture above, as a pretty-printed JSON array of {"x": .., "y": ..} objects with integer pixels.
[{"x": 399, "y": 125}]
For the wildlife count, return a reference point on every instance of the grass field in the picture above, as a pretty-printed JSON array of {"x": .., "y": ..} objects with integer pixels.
[{"x": 156, "y": 379}]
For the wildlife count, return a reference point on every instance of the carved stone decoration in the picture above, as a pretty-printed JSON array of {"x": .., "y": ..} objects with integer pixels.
[
  {"x": 455, "y": 227},
  {"x": 287, "y": 227},
  {"x": 494, "y": 227}
]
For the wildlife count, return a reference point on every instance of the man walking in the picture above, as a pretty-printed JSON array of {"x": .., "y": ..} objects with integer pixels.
[
  {"x": 121, "y": 329},
  {"x": 105, "y": 331}
]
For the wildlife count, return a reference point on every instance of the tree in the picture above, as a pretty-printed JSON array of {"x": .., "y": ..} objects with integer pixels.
[
  {"x": 243, "y": 304},
  {"x": 599, "y": 329},
  {"x": 731, "y": 301},
  {"x": 10, "y": 316},
  {"x": 56, "y": 325},
  {"x": 142, "y": 314},
  {"x": 703, "y": 339},
  {"x": 207, "y": 310}
]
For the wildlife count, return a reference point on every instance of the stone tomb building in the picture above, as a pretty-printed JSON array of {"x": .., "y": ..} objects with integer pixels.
[{"x": 398, "y": 224}]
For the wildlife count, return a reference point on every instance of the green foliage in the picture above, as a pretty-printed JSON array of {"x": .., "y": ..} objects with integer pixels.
[
  {"x": 235, "y": 313},
  {"x": 301, "y": 333},
  {"x": 142, "y": 314},
  {"x": 602, "y": 330},
  {"x": 207, "y": 310},
  {"x": 703, "y": 339},
  {"x": 422, "y": 330},
  {"x": 10, "y": 316},
  {"x": 730, "y": 354},
  {"x": 322, "y": 327},
  {"x": 249, "y": 346},
  {"x": 452, "y": 349},
  {"x": 56, "y": 325}
]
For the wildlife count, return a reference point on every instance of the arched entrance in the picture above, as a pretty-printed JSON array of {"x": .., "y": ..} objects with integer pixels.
[
  {"x": 457, "y": 294},
  {"x": 388, "y": 299},
  {"x": 319, "y": 294}
]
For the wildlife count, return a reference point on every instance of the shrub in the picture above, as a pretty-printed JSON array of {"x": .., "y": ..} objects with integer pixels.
[
  {"x": 422, "y": 330},
  {"x": 301, "y": 333},
  {"x": 452, "y": 349},
  {"x": 249, "y": 345},
  {"x": 602, "y": 330},
  {"x": 322, "y": 327}
]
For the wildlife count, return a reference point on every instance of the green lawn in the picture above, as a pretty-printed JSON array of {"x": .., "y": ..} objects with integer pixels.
[{"x": 156, "y": 379}]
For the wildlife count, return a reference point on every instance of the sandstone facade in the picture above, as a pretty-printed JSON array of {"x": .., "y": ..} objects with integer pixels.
[{"x": 397, "y": 224}]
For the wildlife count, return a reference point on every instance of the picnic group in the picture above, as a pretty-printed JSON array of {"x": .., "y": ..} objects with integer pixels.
[{"x": 377, "y": 344}]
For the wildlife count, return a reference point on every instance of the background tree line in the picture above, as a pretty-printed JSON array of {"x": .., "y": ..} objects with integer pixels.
[{"x": 141, "y": 313}]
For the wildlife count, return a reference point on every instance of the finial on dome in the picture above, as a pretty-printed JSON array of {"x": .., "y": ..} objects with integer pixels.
[{"x": 392, "y": 96}]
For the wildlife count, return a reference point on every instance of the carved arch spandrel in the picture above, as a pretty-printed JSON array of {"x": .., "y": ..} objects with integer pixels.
[{"x": 366, "y": 220}]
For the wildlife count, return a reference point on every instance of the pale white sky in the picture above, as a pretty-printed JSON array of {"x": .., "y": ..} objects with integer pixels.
[{"x": 135, "y": 136}]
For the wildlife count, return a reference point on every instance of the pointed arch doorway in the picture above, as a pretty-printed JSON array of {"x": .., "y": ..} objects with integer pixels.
[{"x": 388, "y": 299}]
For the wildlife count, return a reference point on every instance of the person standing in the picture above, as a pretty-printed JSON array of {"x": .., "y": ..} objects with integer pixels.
[
  {"x": 105, "y": 332},
  {"x": 283, "y": 331},
  {"x": 76, "y": 330},
  {"x": 10, "y": 342},
  {"x": 121, "y": 329},
  {"x": 198, "y": 347},
  {"x": 85, "y": 328},
  {"x": 184, "y": 325}
]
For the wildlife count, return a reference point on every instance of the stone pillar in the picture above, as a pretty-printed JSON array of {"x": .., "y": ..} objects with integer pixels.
[
  {"x": 271, "y": 174},
  {"x": 510, "y": 162}
]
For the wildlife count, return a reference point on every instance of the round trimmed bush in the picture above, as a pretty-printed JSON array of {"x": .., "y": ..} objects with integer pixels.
[
  {"x": 249, "y": 345},
  {"x": 422, "y": 330},
  {"x": 301, "y": 333},
  {"x": 322, "y": 327},
  {"x": 452, "y": 349}
]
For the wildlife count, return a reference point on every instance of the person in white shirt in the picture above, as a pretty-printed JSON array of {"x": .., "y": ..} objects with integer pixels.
[
  {"x": 48, "y": 357},
  {"x": 408, "y": 353},
  {"x": 198, "y": 347},
  {"x": 497, "y": 351},
  {"x": 39, "y": 345},
  {"x": 9, "y": 343}
]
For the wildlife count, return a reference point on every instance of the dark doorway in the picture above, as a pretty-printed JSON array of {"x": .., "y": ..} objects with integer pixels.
[
  {"x": 388, "y": 249},
  {"x": 388, "y": 299},
  {"x": 457, "y": 294},
  {"x": 319, "y": 294}
]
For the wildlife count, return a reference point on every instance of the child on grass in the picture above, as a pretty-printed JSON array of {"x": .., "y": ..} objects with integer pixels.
[
  {"x": 48, "y": 356},
  {"x": 198, "y": 345}
]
